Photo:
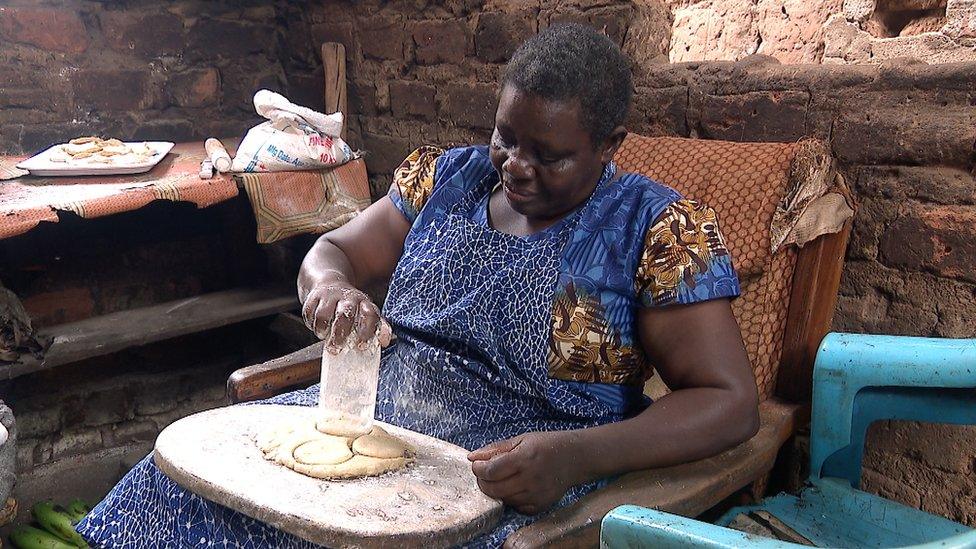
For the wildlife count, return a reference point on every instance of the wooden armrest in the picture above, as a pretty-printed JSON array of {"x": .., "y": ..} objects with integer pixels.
[
  {"x": 270, "y": 378},
  {"x": 688, "y": 489}
]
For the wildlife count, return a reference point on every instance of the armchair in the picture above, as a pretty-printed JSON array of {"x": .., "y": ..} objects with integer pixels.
[{"x": 771, "y": 198}]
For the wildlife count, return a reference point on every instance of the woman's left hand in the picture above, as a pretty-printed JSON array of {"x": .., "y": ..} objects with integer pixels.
[{"x": 530, "y": 472}]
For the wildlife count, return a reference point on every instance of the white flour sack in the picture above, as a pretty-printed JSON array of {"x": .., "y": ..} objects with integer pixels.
[{"x": 293, "y": 138}]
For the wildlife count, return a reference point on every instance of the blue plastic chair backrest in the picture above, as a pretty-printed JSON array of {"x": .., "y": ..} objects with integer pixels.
[
  {"x": 859, "y": 379},
  {"x": 931, "y": 405}
]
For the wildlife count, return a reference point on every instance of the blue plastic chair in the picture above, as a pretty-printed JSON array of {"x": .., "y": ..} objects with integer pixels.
[{"x": 857, "y": 379}]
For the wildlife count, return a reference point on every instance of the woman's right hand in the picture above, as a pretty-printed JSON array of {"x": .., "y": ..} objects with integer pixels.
[{"x": 334, "y": 310}]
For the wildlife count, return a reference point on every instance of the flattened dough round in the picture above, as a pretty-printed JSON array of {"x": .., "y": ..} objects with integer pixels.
[
  {"x": 379, "y": 445},
  {"x": 339, "y": 427},
  {"x": 272, "y": 438},
  {"x": 323, "y": 451},
  {"x": 304, "y": 448},
  {"x": 358, "y": 466}
]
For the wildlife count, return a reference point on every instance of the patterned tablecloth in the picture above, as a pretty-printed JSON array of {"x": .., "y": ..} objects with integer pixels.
[
  {"x": 284, "y": 203},
  {"x": 27, "y": 201}
]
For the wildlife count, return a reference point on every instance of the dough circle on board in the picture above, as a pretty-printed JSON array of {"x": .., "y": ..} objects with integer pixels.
[
  {"x": 379, "y": 444},
  {"x": 339, "y": 427},
  {"x": 300, "y": 446},
  {"x": 323, "y": 451}
]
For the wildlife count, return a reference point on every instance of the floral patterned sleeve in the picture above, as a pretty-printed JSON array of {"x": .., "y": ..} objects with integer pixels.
[
  {"x": 684, "y": 258},
  {"x": 413, "y": 181}
]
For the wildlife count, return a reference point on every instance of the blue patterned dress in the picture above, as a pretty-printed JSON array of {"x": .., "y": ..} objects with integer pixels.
[{"x": 498, "y": 335}]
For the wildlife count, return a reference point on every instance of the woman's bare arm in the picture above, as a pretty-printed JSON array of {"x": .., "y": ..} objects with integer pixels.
[
  {"x": 713, "y": 406},
  {"x": 699, "y": 353},
  {"x": 362, "y": 253}
]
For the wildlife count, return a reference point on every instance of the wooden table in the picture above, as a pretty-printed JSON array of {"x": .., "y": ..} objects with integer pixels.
[
  {"x": 68, "y": 241},
  {"x": 28, "y": 200}
]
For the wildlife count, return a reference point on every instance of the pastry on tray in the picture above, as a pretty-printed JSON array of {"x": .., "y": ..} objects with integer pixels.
[{"x": 95, "y": 150}]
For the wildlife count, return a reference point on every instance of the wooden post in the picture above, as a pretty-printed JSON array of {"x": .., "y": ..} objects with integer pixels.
[
  {"x": 334, "y": 62},
  {"x": 816, "y": 278}
]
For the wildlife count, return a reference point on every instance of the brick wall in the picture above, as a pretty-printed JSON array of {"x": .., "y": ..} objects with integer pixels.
[
  {"x": 425, "y": 72},
  {"x": 176, "y": 71},
  {"x": 429, "y": 75},
  {"x": 418, "y": 72},
  {"x": 904, "y": 135},
  {"x": 97, "y": 414},
  {"x": 823, "y": 31}
]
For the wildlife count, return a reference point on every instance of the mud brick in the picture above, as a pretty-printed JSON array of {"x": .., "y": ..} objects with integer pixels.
[
  {"x": 470, "y": 105},
  {"x": 440, "y": 42},
  {"x": 112, "y": 90},
  {"x": 499, "y": 34},
  {"x": 412, "y": 99},
  {"x": 194, "y": 88},
  {"x": 382, "y": 38},
  {"x": 147, "y": 35},
  {"x": 230, "y": 39},
  {"x": 51, "y": 29},
  {"x": 385, "y": 153}
]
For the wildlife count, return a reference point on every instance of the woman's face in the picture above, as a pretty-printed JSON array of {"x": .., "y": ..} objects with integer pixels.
[{"x": 546, "y": 159}]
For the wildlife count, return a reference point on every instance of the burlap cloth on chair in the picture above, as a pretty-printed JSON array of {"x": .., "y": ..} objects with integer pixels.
[
  {"x": 291, "y": 203},
  {"x": 760, "y": 192}
]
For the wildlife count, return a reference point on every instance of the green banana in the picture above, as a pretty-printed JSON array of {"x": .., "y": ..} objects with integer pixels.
[
  {"x": 77, "y": 509},
  {"x": 56, "y": 520},
  {"x": 28, "y": 537}
]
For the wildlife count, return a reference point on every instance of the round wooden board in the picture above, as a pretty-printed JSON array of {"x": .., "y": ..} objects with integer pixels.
[{"x": 433, "y": 502}]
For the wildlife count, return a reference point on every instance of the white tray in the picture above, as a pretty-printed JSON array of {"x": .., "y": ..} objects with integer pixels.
[{"x": 41, "y": 163}]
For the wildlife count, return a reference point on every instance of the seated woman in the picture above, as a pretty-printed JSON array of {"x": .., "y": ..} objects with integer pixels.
[{"x": 532, "y": 288}]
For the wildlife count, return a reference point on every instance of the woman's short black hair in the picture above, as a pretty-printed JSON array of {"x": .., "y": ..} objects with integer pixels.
[{"x": 574, "y": 61}]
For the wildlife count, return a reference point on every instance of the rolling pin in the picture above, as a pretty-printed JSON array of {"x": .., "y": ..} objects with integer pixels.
[{"x": 217, "y": 154}]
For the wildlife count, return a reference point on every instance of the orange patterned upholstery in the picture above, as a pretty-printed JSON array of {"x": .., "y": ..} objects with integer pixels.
[{"x": 744, "y": 183}]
